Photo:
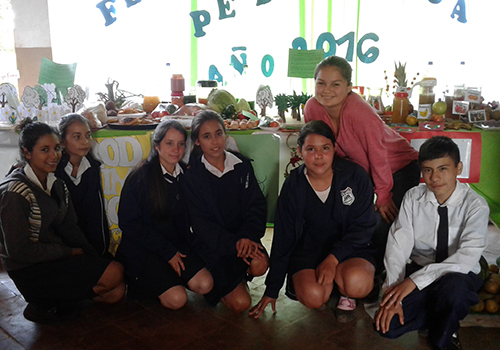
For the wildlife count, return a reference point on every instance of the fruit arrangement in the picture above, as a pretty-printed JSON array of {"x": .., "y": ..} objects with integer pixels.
[{"x": 489, "y": 295}]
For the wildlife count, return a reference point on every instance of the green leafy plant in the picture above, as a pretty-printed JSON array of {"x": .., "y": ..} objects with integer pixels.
[
  {"x": 283, "y": 103},
  {"x": 118, "y": 96}
]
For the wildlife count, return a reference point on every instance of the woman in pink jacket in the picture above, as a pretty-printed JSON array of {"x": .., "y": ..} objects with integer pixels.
[{"x": 364, "y": 138}]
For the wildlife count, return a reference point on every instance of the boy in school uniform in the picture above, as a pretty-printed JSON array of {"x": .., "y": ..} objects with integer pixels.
[{"x": 442, "y": 229}]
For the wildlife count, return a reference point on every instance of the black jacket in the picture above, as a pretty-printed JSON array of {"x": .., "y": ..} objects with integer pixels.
[
  {"x": 213, "y": 239},
  {"x": 88, "y": 202},
  {"x": 353, "y": 214},
  {"x": 36, "y": 227},
  {"x": 142, "y": 233}
]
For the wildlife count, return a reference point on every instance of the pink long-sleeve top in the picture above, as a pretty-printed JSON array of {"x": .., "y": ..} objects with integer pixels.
[{"x": 365, "y": 139}]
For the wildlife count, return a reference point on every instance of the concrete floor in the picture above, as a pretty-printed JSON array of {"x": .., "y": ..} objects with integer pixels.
[{"x": 147, "y": 325}]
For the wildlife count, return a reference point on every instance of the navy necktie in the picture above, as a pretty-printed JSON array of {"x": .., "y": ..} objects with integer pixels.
[{"x": 442, "y": 235}]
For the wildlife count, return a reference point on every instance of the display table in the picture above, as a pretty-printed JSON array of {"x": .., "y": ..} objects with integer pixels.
[
  {"x": 121, "y": 150},
  {"x": 274, "y": 155}
]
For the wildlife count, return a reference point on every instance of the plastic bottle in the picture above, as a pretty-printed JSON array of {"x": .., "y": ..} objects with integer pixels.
[{"x": 177, "y": 87}]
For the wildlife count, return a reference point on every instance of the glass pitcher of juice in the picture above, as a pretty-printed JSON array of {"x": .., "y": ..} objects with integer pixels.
[
  {"x": 375, "y": 99},
  {"x": 400, "y": 107},
  {"x": 426, "y": 98}
]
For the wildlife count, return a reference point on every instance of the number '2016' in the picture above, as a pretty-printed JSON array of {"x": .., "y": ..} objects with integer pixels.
[
  {"x": 267, "y": 63},
  {"x": 366, "y": 57}
]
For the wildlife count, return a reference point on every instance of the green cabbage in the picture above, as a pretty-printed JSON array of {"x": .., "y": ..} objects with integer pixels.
[
  {"x": 219, "y": 99},
  {"x": 242, "y": 105}
]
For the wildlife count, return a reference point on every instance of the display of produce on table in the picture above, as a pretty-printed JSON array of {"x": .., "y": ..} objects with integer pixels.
[{"x": 462, "y": 108}]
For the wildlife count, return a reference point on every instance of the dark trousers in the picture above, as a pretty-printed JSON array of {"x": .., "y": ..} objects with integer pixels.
[
  {"x": 439, "y": 307},
  {"x": 403, "y": 180}
]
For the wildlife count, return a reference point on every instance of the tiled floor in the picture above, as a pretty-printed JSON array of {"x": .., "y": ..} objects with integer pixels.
[{"x": 147, "y": 325}]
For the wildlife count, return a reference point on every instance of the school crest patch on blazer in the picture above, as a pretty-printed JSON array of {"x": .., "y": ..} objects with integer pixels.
[{"x": 347, "y": 196}]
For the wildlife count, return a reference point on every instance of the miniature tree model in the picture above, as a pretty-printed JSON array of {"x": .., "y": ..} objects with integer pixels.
[
  {"x": 296, "y": 103},
  {"x": 75, "y": 97},
  {"x": 282, "y": 102},
  {"x": 264, "y": 98}
]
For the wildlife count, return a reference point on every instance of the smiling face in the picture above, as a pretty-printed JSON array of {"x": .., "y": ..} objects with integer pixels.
[
  {"x": 440, "y": 176},
  {"x": 78, "y": 141},
  {"x": 212, "y": 140},
  {"x": 317, "y": 152},
  {"x": 331, "y": 88},
  {"x": 171, "y": 149},
  {"x": 45, "y": 156}
]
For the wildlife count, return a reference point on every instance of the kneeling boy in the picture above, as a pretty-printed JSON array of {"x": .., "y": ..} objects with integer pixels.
[{"x": 442, "y": 229}]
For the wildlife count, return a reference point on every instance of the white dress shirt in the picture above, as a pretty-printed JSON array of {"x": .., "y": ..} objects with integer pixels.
[
  {"x": 30, "y": 174},
  {"x": 229, "y": 163},
  {"x": 84, "y": 165},
  {"x": 414, "y": 235},
  {"x": 177, "y": 171}
]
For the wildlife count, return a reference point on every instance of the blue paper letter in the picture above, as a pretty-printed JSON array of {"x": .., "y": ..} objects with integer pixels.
[
  {"x": 434, "y": 1},
  {"x": 213, "y": 74},
  {"x": 107, "y": 12},
  {"x": 198, "y": 23},
  {"x": 262, "y": 2},
  {"x": 234, "y": 60},
  {"x": 267, "y": 59},
  {"x": 299, "y": 43},
  {"x": 222, "y": 10},
  {"x": 328, "y": 37},
  {"x": 460, "y": 13},
  {"x": 372, "y": 53},
  {"x": 132, "y": 2}
]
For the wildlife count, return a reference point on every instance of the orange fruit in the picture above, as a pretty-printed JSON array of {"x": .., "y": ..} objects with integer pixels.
[
  {"x": 438, "y": 118},
  {"x": 479, "y": 307},
  {"x": 491, "y": 306},
  {"x": 411, "y": 120}
]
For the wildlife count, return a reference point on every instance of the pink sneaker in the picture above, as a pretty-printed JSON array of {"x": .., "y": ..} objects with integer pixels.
[{"x": 346, "y": 304}]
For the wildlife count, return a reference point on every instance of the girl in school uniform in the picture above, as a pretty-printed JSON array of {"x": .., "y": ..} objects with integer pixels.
[
  {"x": 82, "y": 174},
  {"x": 227, "y": 212},
  {"x": 322, "y": 230},
  {"x": 42, "y": 248},
  {"x": 155, "y": 247}
]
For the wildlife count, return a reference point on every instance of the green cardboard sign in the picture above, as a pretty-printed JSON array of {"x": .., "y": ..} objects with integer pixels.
[{"x": 302, "y": 63}]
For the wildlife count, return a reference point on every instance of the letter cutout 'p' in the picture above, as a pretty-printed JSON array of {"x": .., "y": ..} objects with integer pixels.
[{"x": 198, "y": 23}]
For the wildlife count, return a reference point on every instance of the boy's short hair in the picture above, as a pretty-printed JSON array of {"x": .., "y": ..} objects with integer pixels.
[{"x": 439, "y": 147}]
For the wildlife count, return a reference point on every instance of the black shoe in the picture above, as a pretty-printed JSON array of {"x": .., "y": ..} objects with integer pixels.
[
  {"x": 37, "y": 314},
  {"x": 454, "y": 343},
  {"x": 424, "y": 332}
]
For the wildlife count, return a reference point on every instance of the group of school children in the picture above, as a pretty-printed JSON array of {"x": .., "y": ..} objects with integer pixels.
[{"x": 199, "y": 226}]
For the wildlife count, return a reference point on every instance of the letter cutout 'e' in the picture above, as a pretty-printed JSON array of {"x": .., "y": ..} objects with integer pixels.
[
  {"x": 132, "y": 2},
  {"x": 223, "y": 6}
]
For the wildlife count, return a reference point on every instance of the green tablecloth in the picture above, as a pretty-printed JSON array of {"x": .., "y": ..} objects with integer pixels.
[{"x": 264, "y": 149}]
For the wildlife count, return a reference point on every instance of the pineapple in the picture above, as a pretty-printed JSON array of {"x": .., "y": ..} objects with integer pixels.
[{"x": 400, "y": 74}]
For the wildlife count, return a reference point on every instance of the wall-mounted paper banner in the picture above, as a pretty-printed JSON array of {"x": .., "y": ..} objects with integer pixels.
[
  {"x": 301, "y": 63},
  {"x": 62, "y": 75}
]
